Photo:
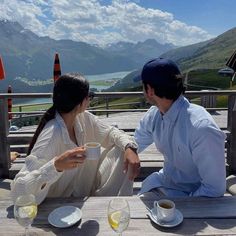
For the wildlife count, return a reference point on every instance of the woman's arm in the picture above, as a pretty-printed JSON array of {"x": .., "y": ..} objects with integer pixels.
[
  {"x": 35, "y": 177},
  {"x": 108, "y": 136},
  {"x": 39, "y": 171}
]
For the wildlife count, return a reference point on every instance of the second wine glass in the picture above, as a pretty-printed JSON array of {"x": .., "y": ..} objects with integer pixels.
[
  {"x": 118, "y": 215},
  {"x": 25, "y": 210}
]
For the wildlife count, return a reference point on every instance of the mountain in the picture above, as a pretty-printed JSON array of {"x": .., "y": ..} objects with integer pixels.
[
  {"x": 211, "y": 54},
  {"x": 141, "y": 51},
  {"x": 184, "y": 52},
  {"x": 127, "y": 83},
  {"x": 28, "y": 56}
]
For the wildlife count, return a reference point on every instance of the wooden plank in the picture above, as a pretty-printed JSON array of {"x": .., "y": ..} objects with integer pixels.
[
  {"x": 14, "y": 169},
  {"x": 127, "y": 120},
  {"x": 224, "y": 207},
  {"x": 99, "y": 226},
  {"x": 21, "y": 148},
  {"x": 15, "y": 139},
  {"x": 94, "y": 219},
  {"x": 191, "y": 207},
  {"x": 19, "y": 160}
]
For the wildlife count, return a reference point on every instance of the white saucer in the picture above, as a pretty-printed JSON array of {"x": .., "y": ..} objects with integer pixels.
[
  {"x": 176, "y": 221},
  {"x": 66, "y": 216}
]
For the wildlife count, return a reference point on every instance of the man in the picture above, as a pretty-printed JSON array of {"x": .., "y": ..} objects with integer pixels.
[{"x": 186, "y": 134}]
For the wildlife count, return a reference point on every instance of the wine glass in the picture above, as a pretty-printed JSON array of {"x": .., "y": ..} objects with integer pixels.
[
  {"x": 118, "y": 215},
  {"x": 25, "y": 210}
]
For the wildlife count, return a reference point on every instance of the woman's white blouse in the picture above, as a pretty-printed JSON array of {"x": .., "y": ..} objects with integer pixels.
[{"x": 101, "y": 177}]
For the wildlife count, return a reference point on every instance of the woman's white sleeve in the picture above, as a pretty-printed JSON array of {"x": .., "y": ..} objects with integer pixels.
[
  {"x": 109, "y": 135},
  {"x": 39, "y": 171}
]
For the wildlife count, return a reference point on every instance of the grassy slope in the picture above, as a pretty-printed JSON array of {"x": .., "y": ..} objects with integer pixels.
[
  {"x": 208, "y": 78},
  {"x": 212, "y": 55}
]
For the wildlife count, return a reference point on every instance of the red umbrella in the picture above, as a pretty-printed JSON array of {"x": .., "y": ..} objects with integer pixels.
[
  {"x": 2, "y": 72},
  {"x": 9, "y": 102},
  {"x": 57, "y": 68}
]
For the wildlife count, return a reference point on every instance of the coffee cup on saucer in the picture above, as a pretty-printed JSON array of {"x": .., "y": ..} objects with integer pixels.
[{"x": 164, "y": 210}]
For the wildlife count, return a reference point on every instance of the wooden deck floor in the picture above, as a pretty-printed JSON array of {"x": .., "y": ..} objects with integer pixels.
[{"x": 130, "y": 120}]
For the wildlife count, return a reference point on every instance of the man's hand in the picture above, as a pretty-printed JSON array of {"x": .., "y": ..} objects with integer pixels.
[
  {"x": 131, "y": 162},
  {"x": 70, "y": 159}
]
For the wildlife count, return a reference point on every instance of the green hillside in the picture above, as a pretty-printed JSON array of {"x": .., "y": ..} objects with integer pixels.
[
  {"x": 212, "y": 55},
  {"x": 127, "y": 83},
  {"x": 184, "y": 52},
  {"x": 207, "y": 79},
  {"x": 201, "y": 61}
]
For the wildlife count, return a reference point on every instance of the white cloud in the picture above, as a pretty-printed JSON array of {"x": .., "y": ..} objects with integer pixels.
[
  {"x": 91, "y": 22},
  {"x": 27, "y": 13}
]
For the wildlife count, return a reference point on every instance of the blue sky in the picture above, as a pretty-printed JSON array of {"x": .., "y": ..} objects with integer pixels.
[
  {"x": 102, "y": 22},
  {"x": 215, "y": 16}
]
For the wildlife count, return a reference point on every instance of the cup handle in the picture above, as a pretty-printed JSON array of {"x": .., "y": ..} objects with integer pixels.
[
  {"x": 156, "y": 208},
  {"x": 155, "y": 204}
]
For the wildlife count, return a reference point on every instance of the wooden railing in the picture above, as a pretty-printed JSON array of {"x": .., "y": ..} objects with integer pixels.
[{"x": 6, "y": 138}]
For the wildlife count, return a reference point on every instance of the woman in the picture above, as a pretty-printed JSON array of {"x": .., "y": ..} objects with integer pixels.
[{"x": 56, "y": 164}]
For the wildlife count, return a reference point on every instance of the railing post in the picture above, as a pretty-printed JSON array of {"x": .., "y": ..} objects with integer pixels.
[
  {"x": 107, "y": 105},
  {"x": 208, "y": 101},
  {"x": 4, "y": 146},
  {"x": 20, "y": 110},
  {"x": 231, "y": 151}
]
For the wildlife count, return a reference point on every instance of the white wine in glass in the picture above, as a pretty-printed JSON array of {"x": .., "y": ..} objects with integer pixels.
[
  {"x": 118, "y": 215},
  {"x": 25, "y": 210}
]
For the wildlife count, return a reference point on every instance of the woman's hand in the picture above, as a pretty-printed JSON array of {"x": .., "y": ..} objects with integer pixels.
[
  {"x": 132, "y": 163},
  {"x": 70, "y": 159}
]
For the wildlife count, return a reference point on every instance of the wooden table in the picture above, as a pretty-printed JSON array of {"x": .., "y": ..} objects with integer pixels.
[{"x": 202, "y": 216}]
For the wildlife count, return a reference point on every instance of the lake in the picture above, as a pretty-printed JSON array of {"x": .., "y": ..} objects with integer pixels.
[
  {"x": 104, "y": 77},
  {"x": 90, "y": 78}
]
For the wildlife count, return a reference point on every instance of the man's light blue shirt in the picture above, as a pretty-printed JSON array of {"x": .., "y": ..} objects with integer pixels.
[{"x": 193, "y": 149}]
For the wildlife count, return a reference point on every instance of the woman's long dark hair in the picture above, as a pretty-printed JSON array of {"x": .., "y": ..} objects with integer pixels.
[{"x": 69, "y": 91}]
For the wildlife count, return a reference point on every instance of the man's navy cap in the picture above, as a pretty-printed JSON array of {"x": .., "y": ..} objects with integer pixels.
[{"x": 160, "y": 71}]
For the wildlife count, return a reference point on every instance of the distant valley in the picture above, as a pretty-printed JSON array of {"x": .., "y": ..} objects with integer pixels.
[{"x": 30, "y": 57}]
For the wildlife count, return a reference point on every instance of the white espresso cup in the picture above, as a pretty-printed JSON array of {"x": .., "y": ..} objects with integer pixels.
[
  {"x": 93, "y": 150},
  {"x": 165, "y": 210}
]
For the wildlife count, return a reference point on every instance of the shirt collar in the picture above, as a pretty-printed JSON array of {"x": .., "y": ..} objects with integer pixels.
[
  {"x": 174, "y": 110},
  {"x": 64, "y": 131}
]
